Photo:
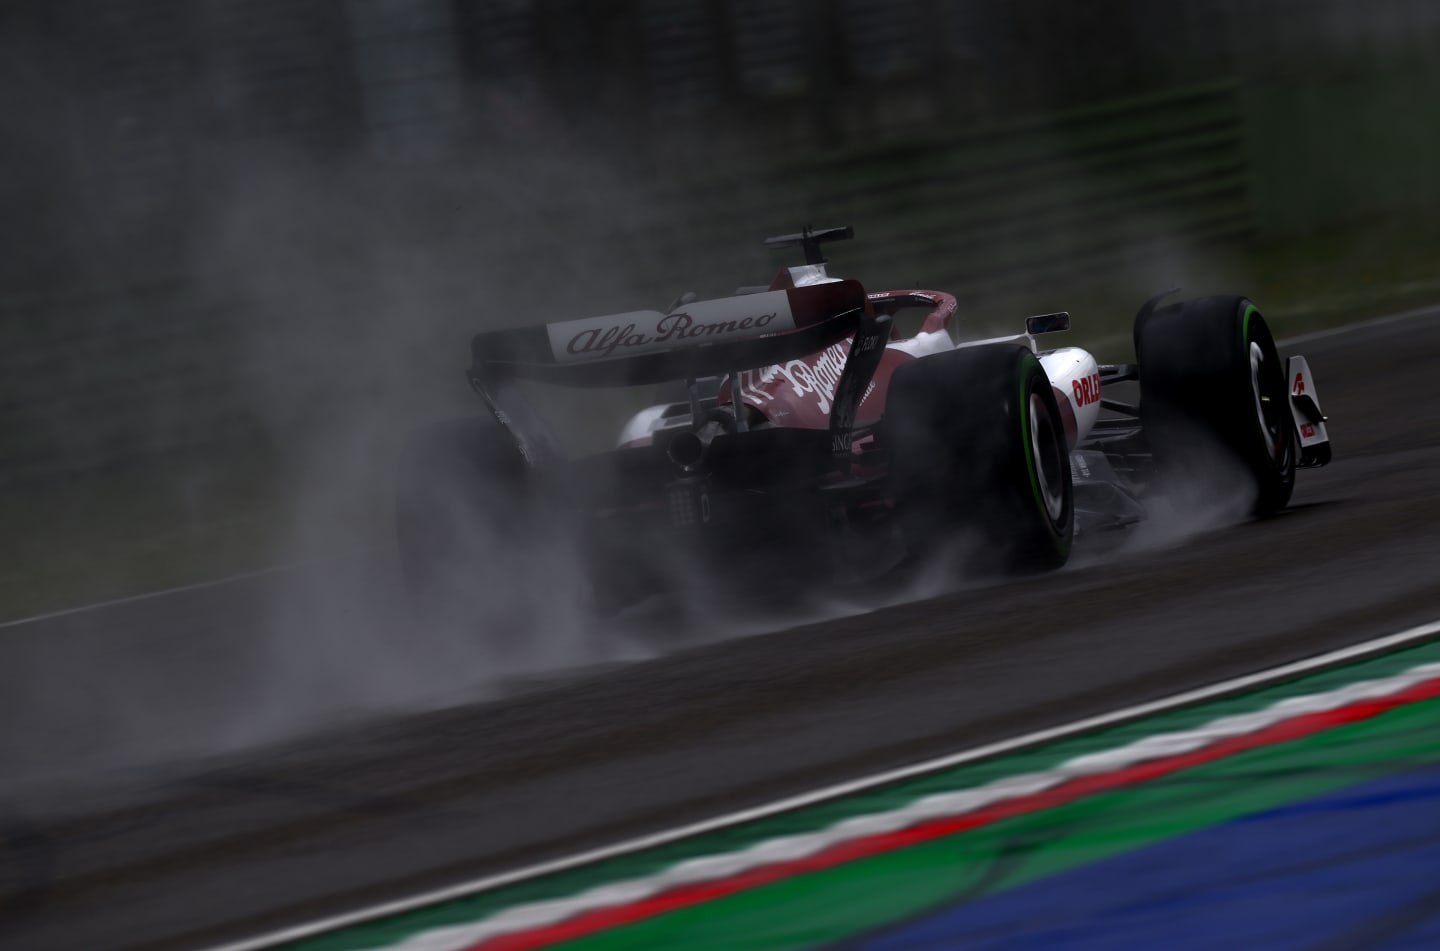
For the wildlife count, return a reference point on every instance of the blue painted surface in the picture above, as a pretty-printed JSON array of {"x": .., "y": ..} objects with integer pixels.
[{"x": 1357, "y": 868}]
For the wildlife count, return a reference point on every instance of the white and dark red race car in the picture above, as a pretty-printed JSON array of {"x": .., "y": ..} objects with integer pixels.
[{"x": 813, "y": 440}]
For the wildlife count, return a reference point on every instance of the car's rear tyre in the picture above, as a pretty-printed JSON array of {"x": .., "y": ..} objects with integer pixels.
[
  {"x": 977, "y": 451},
  {"x": 1211, "y": 379},
  {"x": 464, "y": 511}
]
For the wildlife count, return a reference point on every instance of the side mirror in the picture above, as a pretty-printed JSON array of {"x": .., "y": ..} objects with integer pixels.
[{"x": 1047, "y": 323}]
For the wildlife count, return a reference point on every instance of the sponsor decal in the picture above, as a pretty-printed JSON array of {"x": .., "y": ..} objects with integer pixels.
[
  {"x": 596, "y": 341},
  {"x": 1086, "y": 390},
  {"x": 599, "y": 338},
  {"x": 819, "y": 378},
  {"x": 602, "y": 342},
  {"x": 1299, "y": 384},
  {"x": 1307, "y": 430}
]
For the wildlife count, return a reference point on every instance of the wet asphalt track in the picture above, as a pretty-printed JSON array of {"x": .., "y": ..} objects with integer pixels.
[{"x": 372, "y": 813}]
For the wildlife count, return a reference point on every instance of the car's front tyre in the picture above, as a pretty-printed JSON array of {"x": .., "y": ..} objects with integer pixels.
[{"x": 1213, "y": 389}]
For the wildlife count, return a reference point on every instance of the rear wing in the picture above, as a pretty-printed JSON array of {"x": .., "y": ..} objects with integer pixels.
[{"x": 704, "y": 338}]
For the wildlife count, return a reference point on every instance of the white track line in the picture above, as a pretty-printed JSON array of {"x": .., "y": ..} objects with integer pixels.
[
  {"x": 489, "y": 883},
  {"x": 1431, "y": 311},
  {"x": 197, "y": 586},
  {"x": 150, "y": 595}
]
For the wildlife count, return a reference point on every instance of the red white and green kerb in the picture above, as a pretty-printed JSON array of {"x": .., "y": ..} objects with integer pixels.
[{"x": 851, "y": 864}]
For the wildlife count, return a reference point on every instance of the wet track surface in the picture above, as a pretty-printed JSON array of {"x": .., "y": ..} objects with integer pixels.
[{"x": 374, "y": 812}]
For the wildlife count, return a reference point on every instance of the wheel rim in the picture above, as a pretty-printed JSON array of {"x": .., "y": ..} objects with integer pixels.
[
  {"x": 1049, "y": 474},
  {"x": 1267, "y": 384}
]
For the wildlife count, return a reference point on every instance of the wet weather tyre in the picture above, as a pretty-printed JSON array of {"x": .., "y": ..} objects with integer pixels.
[
  {"x": 462, "y": 495},
  {"x": 1212, "y": 378},
  {"x": 978, "y": 453}
]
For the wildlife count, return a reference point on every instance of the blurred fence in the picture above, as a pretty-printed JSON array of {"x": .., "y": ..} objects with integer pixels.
[
  {"x": 1339, "y": 108},
  {"x": 985, "y": 145},
  {"x": 1042, "y": 198}
]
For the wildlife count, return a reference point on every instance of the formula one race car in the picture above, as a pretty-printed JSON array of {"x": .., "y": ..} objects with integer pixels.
[{"x": 811, "y": 441}]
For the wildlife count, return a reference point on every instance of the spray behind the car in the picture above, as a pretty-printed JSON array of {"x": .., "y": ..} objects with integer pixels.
[{"x": 814, "y": 446}]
